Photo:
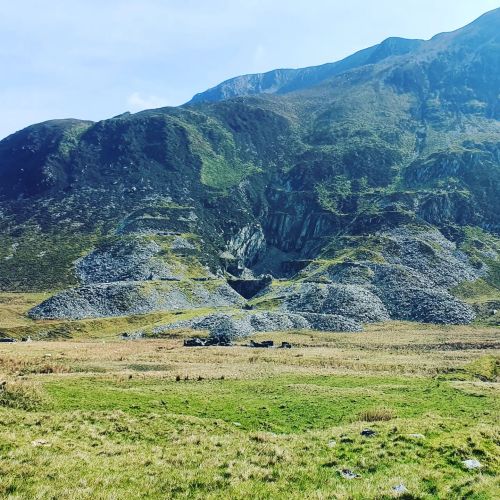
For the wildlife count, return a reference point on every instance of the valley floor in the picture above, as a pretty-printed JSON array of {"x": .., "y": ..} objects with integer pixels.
[{"x": 109, "y": 418}]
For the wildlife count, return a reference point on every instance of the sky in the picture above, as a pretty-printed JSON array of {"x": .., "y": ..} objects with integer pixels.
[{"x": 93, "y": 59}]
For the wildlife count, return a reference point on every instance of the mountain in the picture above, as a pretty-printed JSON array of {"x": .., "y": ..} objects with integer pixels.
[
  {"x": 359, "y": 191},
  {"x": 282, "y": 81}
]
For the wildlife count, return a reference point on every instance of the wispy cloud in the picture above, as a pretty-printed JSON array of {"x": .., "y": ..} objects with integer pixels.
[
  {"x": 137, "y": 101},
  {"x": 259, "y": 57}
]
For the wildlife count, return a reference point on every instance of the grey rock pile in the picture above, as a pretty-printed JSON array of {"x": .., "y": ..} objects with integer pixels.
[
  {"x": 351, "y": 301},
  {"x": 226, "y": 326},
  {"x": 430, "y": 254},
  {"x": 410, "y": 280},
  {"x": 137, "y": 259},
  {"x": 125, "y": 298},
  {"x": 409, "y": 295},
  {"x": 411, "y": 283}
]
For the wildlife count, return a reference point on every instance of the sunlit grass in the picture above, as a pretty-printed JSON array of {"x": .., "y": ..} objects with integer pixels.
[{"x": 151, "y": 419}]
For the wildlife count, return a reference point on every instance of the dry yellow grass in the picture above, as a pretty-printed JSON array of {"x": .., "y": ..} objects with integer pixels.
[
  {"x": 13, "y": 308},
  {"x": 392, "y": 348}
]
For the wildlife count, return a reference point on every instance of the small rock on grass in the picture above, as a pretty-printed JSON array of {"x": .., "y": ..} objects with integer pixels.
[
  {"x": 472, "y": 464},
  {"x": 368, "y": 432},
  {"x": 400, "y": 488},
  {"x": 349, "y": 474},
  {"x": 40, "y": 442},
  {"x": 332, "y": 443},
  {"x": 417, "y": 436}
]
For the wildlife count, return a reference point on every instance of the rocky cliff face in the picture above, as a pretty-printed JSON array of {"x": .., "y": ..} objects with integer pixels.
[{"x": 367, "y": 188}]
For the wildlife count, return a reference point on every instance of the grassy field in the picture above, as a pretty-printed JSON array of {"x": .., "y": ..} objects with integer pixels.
[{"x": 106, "y": 418}]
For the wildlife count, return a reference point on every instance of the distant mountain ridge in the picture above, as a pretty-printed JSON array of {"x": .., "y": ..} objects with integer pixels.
[{"x": 282, "y": 81}]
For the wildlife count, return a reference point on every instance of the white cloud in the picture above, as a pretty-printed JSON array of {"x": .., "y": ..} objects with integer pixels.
[
  {"x": 259, "y": 57},
  {"x": 137, "y": 101}
]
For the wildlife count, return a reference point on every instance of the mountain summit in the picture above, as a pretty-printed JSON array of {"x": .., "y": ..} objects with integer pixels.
[
  {"x": 283, "y": 81},
  {"x": 323, "y": 197}
]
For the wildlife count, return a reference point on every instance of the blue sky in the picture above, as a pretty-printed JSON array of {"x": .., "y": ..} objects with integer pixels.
[{"x": 95, "y": 59}]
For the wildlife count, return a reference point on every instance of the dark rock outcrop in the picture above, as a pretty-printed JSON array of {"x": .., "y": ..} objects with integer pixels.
[{"x": 250, "y": 287}]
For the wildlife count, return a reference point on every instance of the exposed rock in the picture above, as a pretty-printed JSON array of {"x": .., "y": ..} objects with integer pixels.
[
  {"x": 243, "y": 324},
  {"x": 248, "y": 244},
  {"x": 282, "y": 81},
  {"x": 429, "y": 253},
  {"x": 400, "y": 488},
  {"x": 248, "y": 288},
  {"x": 409, "y": 296},
  {"x": 275, "y": 321},
  {"x": 40, "y": 442},
  {"x": 331, "y": 322},
  {"x": 180, "y": 243},
  {"x": 472, "y": 464},
  {"x": 132, "y": 335},
  {"x": 223, "y": 327},
  {"x": 132, "y": 260},
  {"x": 349, "y": 474},
  {"x": 125, "y": 298},
  {"x": 350, "y": 301},
  {"x": 266, "y": 344},
  {"x": 400, "y": 293},
  {"x": 205, "y": 342}
]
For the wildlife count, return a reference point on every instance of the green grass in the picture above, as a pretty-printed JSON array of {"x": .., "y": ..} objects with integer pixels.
[
  {"x": 476, "y": 291},
  {"x": 280, "y": 404},
  {"x": 38, "y": 261},
  {"x": 221, "y": 166},
  {"x": 184, "y": 440},
  {"x": 71, "y": 138},
  {"x": 100, "y": 328},
  {"x": 486, "y": 368}
]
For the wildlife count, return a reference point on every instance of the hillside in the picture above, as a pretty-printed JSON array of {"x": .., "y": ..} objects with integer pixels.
[{"x": 329, "y": 197}]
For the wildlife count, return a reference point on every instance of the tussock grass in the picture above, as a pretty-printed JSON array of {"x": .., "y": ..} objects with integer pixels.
[
  {"x": 486, "y": 368},
  {"x": 13, "y": 308},
  {"x": 20, "y": 394},
  {"x": 376, "y": 415},
  {"x": 31, "y": 365}
]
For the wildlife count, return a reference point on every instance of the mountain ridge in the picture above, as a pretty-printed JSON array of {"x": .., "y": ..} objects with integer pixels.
[{"x": 287, "y": 79}]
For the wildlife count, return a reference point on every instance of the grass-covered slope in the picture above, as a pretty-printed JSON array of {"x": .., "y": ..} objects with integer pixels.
[{"x": 345, "y": 169}]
